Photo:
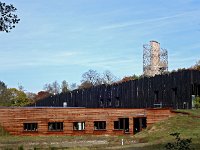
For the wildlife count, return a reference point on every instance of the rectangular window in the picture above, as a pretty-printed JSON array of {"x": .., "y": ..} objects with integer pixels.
[
  {"x": 55, "y": 126},
  {"x": 30, "y": 126},
  {"x": 122, "y": 124},
  {"x": 79, "y": 126},
  {"x": 99, "y": 125}
]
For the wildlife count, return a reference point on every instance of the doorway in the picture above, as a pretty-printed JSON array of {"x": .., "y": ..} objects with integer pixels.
[{"x": 139, "y": 124}]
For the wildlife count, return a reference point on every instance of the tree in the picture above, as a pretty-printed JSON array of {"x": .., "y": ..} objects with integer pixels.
[
  {"x": 56, "y": 87},
  {"x": 85, "y": 85},
  {"x": 31, "y": 96},
  {"x": 92, "y": 77},
  {"x": 41, "y": 95},
  {"x": 53, "y": 88},
  {"x": 197, "y": 65},
  {"x": 14, "y": 97},
  {"x": 128, "y": 78},
  {"x": 108, "y": 77},
  {"x": 3, "y": 94},
  {"x": 73, "y": 86},
  {"x": 7, "y": 18},
  {"x": 48, "y": 88},
  {"x": 20, "y": 87},
  {"x": 64, "y": 86},
  {"x": 18, "y": 98},
  {"x": 3, "y": 87}
]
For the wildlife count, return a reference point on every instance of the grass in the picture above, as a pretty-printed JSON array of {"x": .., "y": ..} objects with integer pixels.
[
  {"x": 187, "y": 125},
  {"x": 154, "y": 137},
  {"x": 3, "y": 132}
]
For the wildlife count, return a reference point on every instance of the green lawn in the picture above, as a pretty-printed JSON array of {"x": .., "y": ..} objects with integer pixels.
[{"x": 154, "y": 137}]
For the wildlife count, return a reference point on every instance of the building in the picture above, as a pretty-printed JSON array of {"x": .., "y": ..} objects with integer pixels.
[
  {"x": 78, "y": 121},
  {"x": 169, "y": 90}
]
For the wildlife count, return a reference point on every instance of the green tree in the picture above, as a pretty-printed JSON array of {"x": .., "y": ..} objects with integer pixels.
[
  {"x": 7, "y": 18},
  {"x": 17, "y": 98}
]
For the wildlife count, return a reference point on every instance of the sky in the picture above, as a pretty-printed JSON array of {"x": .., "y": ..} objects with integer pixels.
[{"x": 60, "y": 40}]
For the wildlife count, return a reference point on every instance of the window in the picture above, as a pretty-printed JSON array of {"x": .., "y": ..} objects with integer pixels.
[
  {"x": 55, "y": 126},
  {"x": 30, "y": 126},
  {"x": 122, "y": 124},
  {"x": 99, "y": 125},
  {"x": 79, "y": 125},
  {"x": 139, "y": 124}
]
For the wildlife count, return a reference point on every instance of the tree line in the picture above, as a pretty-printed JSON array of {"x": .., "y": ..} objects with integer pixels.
[
  {"x": 91, "y": 78},
  {"x": 18, "y": 96}
]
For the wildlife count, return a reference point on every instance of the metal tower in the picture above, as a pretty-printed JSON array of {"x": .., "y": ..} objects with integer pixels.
[{"x": 155, "y": 59}]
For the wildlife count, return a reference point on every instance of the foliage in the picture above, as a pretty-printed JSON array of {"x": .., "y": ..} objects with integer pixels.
[
  {"x": 64, "y": 86},
  {"x": 13, "y": 97},
  {"x": 179, "y": 144},
  {"x": 196, "y": 102},
  {"x": 128, "y": 78},
  {"x": 85, "y": 85},
  {"x": 197, "y": 65},
  {"x": 21, "y": 147},
  {"x": 108, "y": 77},
  {"x": 3, "y": 87},
  {"x": 92, "y": 77},
  {"x": 17, "y": 97},
  {"x": 42, "y": 95},
  {"x": 53, "y": 88},
  {"x": 7, "y": 18},
  {"x": 73, "y": 86}
]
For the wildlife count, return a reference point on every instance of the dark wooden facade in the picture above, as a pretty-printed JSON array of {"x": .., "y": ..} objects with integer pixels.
[
  {"x": 118, "y": 121},
  {"x": 173, "y": 90}
]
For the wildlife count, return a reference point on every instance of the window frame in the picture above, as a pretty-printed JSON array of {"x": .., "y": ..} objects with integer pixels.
[
  {"x": 55, "y": 126},
  {"x": 76, "y": 127},
  {"x": 99, "y": 125},
  {"x": 32, "y": 125}
]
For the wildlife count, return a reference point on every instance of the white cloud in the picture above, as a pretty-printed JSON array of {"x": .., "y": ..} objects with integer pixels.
[{"x": 146, "y": 21}]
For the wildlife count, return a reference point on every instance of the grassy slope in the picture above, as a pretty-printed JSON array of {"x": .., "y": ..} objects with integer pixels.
[
  {"x": 187, "y": 125},
  {"x": 154, "y": 137}
]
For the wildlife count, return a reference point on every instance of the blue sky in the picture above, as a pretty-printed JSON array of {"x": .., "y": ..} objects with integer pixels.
[{"x": 60, "y": 40}]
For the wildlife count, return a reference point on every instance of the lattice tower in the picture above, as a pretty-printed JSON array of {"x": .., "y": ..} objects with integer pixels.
[{"x": 155, "y": 59}]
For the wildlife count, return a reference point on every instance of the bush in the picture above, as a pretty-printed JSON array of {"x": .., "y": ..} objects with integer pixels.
[
  {"x": 197, "y": 102},
  {"x": 21, "y": 147},
  {"x": 179, "y": 144}
]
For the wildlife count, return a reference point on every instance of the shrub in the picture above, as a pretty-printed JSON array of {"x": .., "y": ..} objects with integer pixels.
[
  {"x": 196, "y": 102},
  {"x": 179, "y": 144}
]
